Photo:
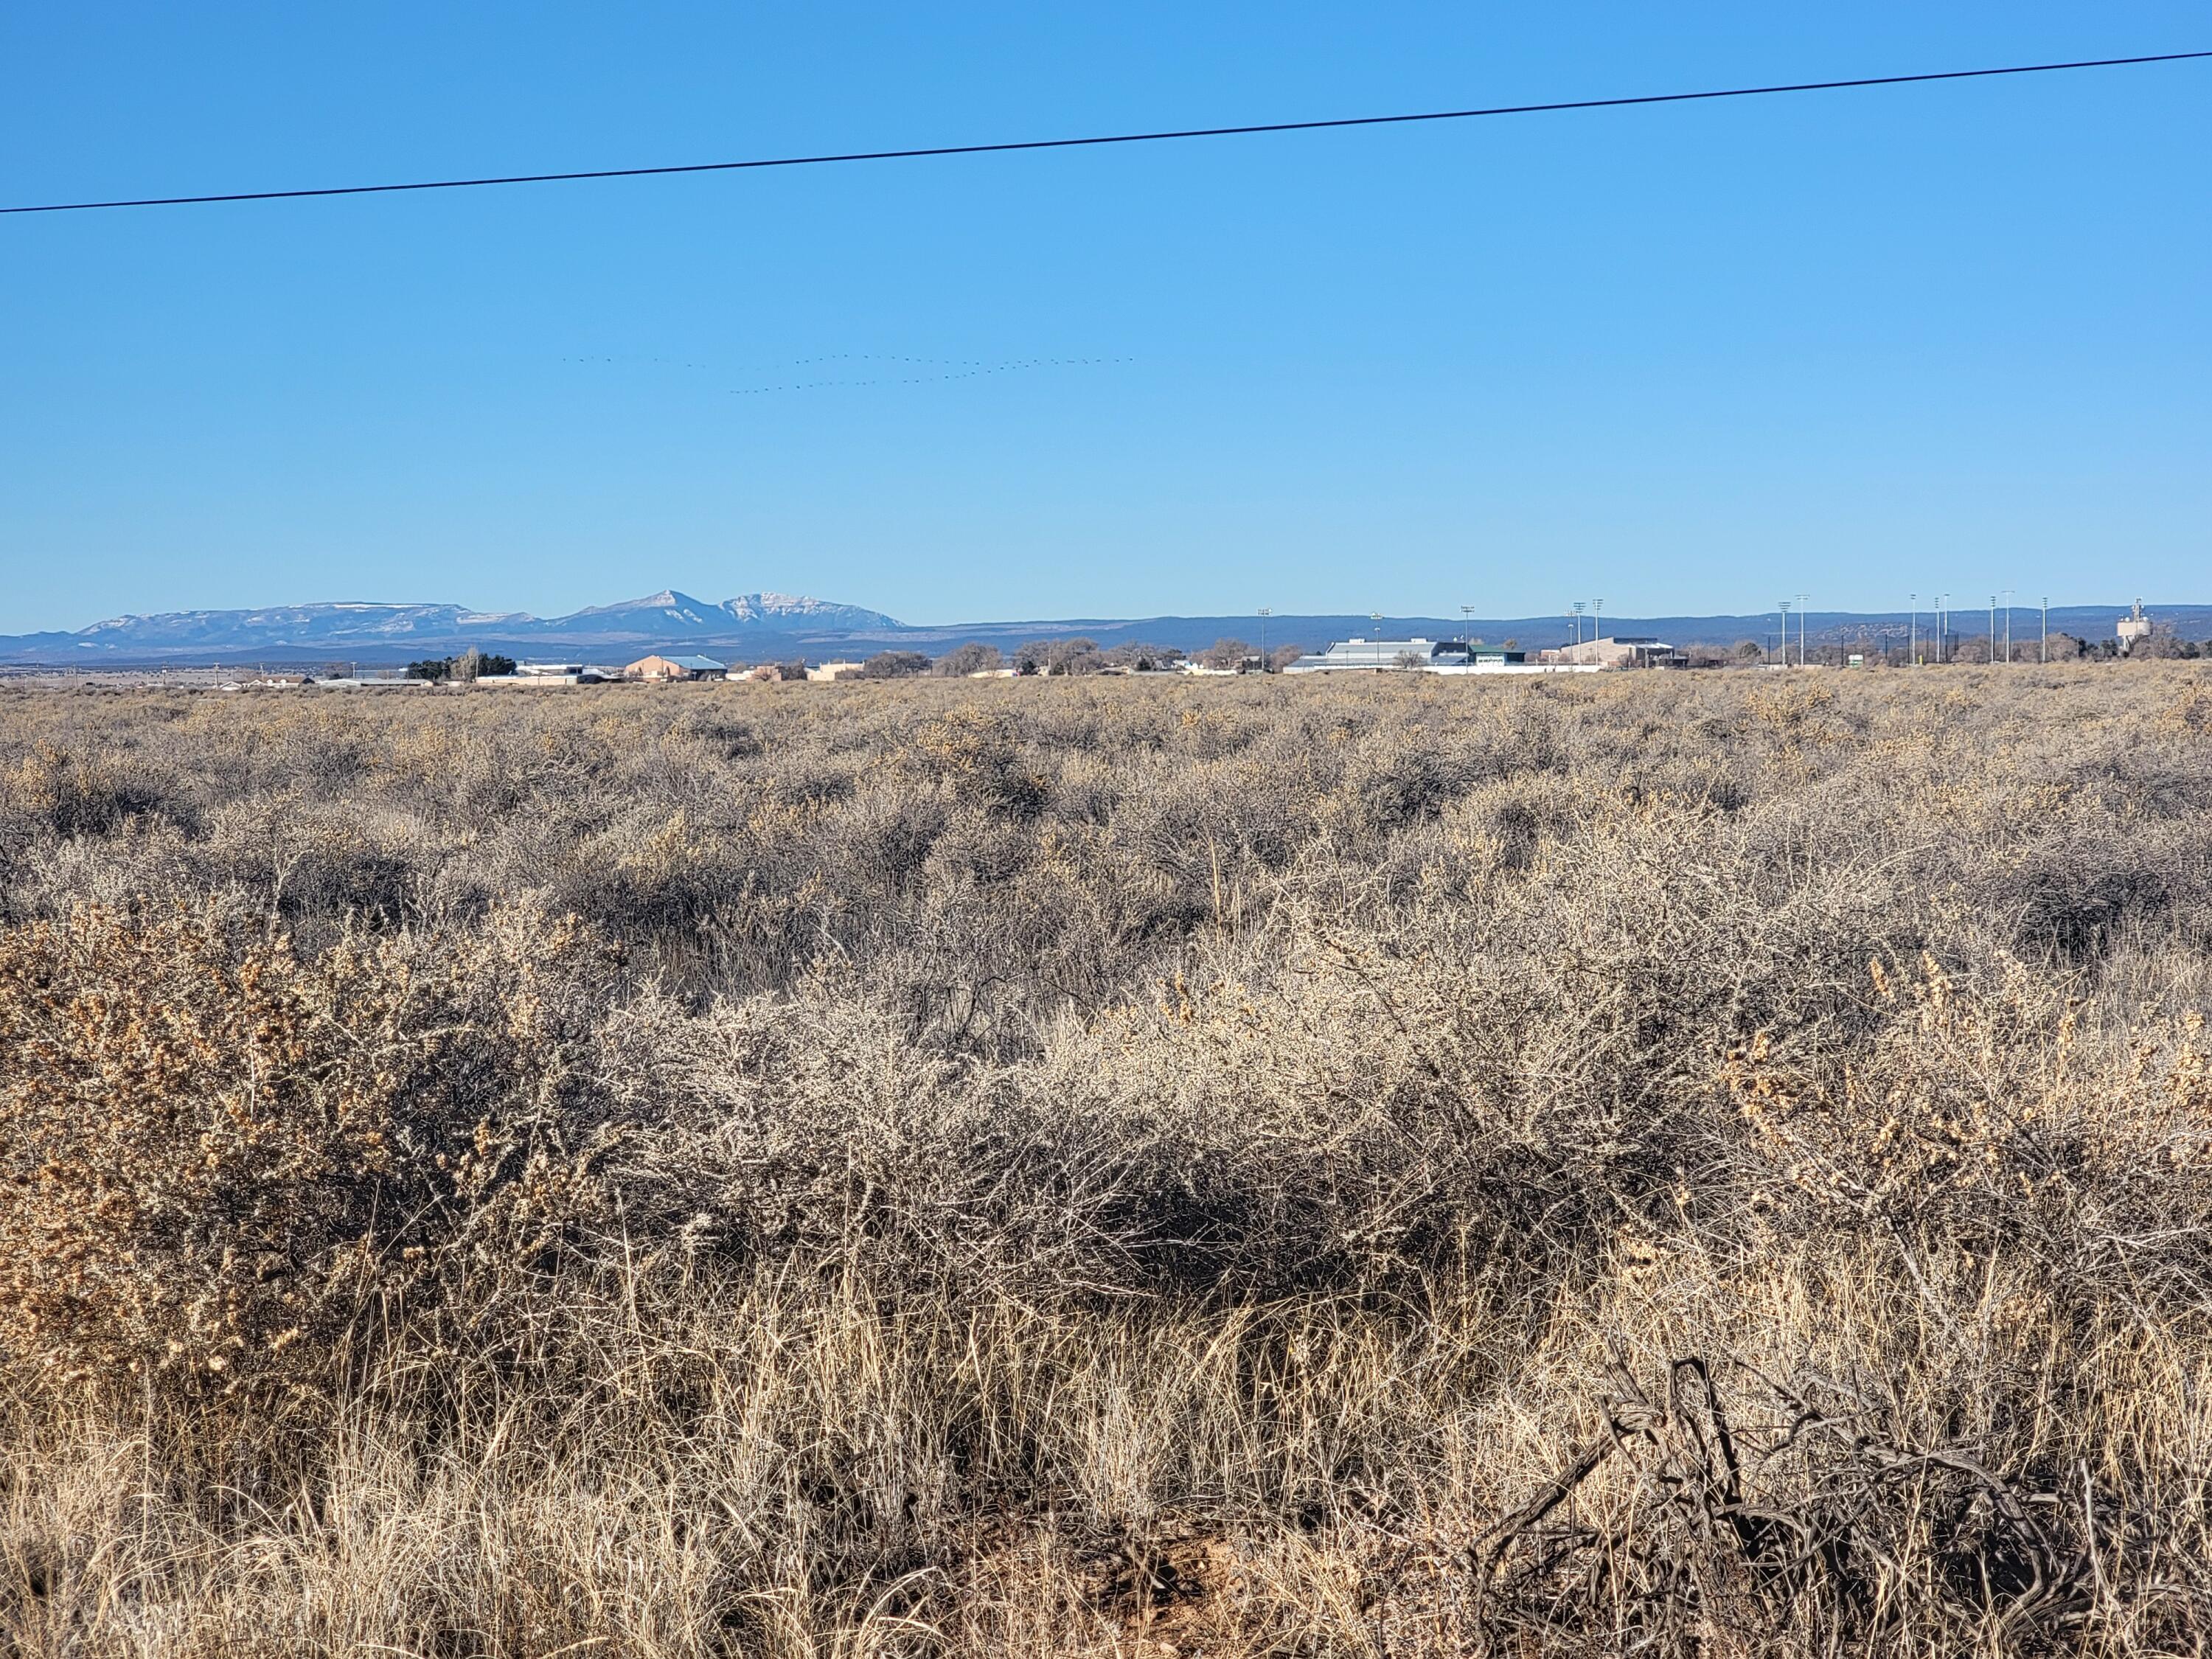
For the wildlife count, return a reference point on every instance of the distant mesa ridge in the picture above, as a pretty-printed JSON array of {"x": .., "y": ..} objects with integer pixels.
[{"x": 758, "y": 627}]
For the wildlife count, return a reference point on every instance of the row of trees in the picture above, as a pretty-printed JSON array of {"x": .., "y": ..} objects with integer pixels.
[
  {"x": 1077, "y": 655},
  {"x": 468, "y": 666},
  {"x": 1892, "y": 651}
]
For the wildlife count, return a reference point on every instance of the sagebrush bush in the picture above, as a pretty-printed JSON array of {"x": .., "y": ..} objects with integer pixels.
[
  {"x": 220, "y": 1161},
  {"x": 1690, "y": 1165}
]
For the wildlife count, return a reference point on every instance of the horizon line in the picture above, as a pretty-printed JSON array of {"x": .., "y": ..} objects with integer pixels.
[{"x": 801, "y": 623}]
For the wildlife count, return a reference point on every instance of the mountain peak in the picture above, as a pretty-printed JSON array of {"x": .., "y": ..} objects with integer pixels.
[{"x": 767, "y": 608}]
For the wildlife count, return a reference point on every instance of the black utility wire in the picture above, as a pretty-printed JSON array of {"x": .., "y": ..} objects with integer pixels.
[{"x": 1107, "y": 138}]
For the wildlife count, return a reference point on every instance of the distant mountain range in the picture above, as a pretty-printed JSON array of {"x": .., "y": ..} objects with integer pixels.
[
  {"x": 373, "y": 631},
  {"x": 758, "y": 627}
]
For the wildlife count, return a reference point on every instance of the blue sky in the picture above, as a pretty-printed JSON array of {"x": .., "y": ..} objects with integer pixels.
[{"x": 1686, "y": 359}]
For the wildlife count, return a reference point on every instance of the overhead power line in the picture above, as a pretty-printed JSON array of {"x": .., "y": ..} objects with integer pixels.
[{"x": 1105, "y": 138}]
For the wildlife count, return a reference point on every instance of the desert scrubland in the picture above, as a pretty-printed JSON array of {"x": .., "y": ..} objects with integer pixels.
[{"x": 1709, "y": 1163}]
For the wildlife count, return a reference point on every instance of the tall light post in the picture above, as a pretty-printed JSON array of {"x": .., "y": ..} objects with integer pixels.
[
  {"x": 1597, "y": 610},
  {"x": 1578, "y": 621},
  {"x": 2008, "y": 597},
  {"x": 2046, "y": 630},
  {"x": 1804, "y": 608},
  {"x": 1785, "y": 633},
  {"x": 1467, "y": 631},
  {"x": 1993, "y": 628},
  {"x": 1942, "y": 628},
  {"x": 1376, "y": 617},
  {"x": 1265, "y": 612},
  {"x": 1913, "y": 631}
]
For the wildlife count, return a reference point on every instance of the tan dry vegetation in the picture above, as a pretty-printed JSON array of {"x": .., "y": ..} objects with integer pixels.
[{"x": 1693, "y": 1164}]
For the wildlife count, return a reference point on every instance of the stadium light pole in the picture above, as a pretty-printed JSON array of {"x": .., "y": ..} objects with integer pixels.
[
  {"x": 1597, "y": 610},
  {"x": 2046, "y": 630},
  {"x": 1913, "y": 631},
  {"x": 1943, "y": 627},
  {"x": 1376, "y": 617},
  {"x": 2008, "y": 597},
  {"x": 1578, "y": 621},
  {"x": 1804, "y": 608},
  {"x": 1264, "y": 614},
  {"x": 1785, "y": 633}
]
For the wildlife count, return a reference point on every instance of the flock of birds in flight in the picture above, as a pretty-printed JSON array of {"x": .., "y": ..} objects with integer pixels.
[{"x": 953, "y": 368}]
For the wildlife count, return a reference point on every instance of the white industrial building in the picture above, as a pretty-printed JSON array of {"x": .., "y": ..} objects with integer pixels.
[
  {"x": 1624, "y": 651},
  {"x": 1427, "y": 656}
]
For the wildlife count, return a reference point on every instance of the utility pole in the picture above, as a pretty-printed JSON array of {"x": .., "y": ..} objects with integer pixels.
[
  {"x": 1942, "y": 628},
  {"x": 2046, "y": 630},
  {"x": 1913, "y": 631},
  {"x": 1264, "y": 614}
]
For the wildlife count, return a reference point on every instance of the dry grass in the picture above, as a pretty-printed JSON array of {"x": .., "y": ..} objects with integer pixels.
[{"x": 1698, "y": 1164}]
